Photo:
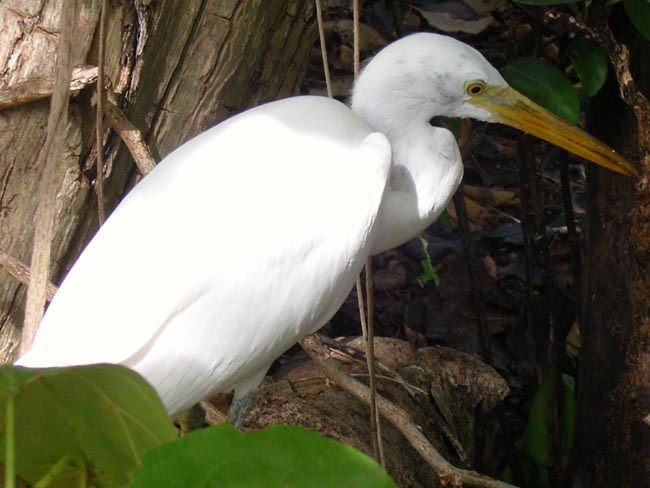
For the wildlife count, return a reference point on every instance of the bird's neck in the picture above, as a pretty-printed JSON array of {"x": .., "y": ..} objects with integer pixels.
[{"x": 426, "y": 170}]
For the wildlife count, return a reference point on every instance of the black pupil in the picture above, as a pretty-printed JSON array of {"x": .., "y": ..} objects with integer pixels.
[{"x": 475, "y": 89}]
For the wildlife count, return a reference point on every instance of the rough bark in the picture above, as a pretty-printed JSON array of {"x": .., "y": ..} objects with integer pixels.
[
  {"x": 178, "y": 66},
  {"x": 613, "y": 431}
]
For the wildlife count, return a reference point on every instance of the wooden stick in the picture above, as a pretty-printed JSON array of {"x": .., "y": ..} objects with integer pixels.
[
  {"x": 323, "y": 48},
  {"x": 23, "y": 274},
  {"x": 83, "y": 76},
  {"x": 39, "y": 88},
  {"x": 99, "y": 123},
  {"x": 49, "y": 184},
  {"x": 130, "y": 135}
]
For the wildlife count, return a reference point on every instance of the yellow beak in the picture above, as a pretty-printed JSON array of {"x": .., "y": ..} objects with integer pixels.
[{"x": 510, "y": 107}]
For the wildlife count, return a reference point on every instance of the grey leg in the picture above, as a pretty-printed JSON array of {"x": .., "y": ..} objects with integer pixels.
[
  {"x": 239, "y": 408},
  {"x": 243, "y": 398}
]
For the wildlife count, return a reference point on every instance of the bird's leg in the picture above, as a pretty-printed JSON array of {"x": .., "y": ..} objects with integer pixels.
[
  {"x": 243, "y": 397},
  {"x": 239, "y": 408}
]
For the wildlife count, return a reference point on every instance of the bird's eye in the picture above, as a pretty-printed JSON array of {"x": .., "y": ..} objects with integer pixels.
[{"x": 475, "y": 88}]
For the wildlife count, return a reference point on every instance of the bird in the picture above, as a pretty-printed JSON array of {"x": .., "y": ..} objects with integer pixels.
[{"x": 252, "y": 234}]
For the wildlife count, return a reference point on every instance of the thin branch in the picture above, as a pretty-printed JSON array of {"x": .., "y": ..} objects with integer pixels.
[
  {"x": 567, "y": 203},
  {"x": 478, "y": 297},
  {"x": 362, "y": 308},
  {"x": 369, "y": 332},
  {"x": 526, "y": 167},
  {"x": 355, "y": 34},
  {"x": 351, "y": 354},
  {"x": 99, "y": 124},
  {"x": 398, "y": 18},
  {"x": 130, "y": 135},
  {"x": 37, "y": 89},
  {"x": 448, "y": 474},
  {"x": 375, "y": 419},
  {"x": 83, "y": 76},
  {"x": 49, "y": 178},
  {"x": 323, "y": 48},
  {"x": 23, "y": 274}
]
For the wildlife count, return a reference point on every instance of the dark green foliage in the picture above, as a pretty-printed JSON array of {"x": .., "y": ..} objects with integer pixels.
[
  {"x": 590, "y": 63},
  {"x": 638, "y": 12},
  {"x": 545, "y": 84}
]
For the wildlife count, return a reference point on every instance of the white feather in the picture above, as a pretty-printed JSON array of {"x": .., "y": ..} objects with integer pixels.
[{"x": 251, "y": 235}]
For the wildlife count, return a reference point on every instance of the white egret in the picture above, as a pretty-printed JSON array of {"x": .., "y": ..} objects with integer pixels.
[{"x": 252, "y": 234}]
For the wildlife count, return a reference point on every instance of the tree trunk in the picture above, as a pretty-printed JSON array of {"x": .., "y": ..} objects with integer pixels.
[
  {"x": 178, "y": 68},
  {"x": 613, "y": 431}
]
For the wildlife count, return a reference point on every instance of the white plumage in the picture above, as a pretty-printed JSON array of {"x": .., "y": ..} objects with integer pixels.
[{"x": 251, "y": 235}]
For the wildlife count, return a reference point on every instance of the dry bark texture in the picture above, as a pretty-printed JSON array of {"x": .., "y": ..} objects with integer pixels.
[{"x": 178, "y": 67}]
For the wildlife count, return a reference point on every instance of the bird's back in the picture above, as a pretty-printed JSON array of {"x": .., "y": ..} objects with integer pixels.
[{"x": 238, "y": 243}]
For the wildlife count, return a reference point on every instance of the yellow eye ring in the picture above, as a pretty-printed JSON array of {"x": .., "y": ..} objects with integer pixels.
[{"x": 475, "y": 88}]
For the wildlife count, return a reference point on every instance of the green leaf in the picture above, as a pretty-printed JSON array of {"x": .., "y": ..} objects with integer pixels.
[
  {"x": 65, "y": 420},
  {"x": 279, "y": 456},
  {"x": 545, "y": 84},
  {"x": 428, "y": 273},
  {"x": 590, "y": 62},
  {"x": 536, "y": 441},
  {"x": 567, "y": 417},
  {"x": 638, "y": 12},
  {"x": 536, "y": 435}
]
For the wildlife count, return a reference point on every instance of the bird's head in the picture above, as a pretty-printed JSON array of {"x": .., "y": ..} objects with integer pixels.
[{"x": 425, "y": 75}]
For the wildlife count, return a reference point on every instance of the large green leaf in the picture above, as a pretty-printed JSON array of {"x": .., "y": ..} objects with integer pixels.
[
  {"x": 545, "y": 84},
  {"x": 590, "y": 62},
  {"x": 639, "y": 13},
  {"x": 279, "y": 456},
  {"x": 99, "y": 418}
]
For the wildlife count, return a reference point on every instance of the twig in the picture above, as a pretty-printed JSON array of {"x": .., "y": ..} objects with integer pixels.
[
  {"x": 366, "y": 327},
  {"x": 130, "y": 135},
  {"x": 375, "y": 419},
  {"x": 23, "y": 274},
  {"x": 448, "y": 474},
  {"x": 83, "y": 76},
  {"x": 369, "y": 332},
  {"x": 362, "y": 309},
  {"x": 355, "y": 36},
  {"x": 396, "y": 8},
  {"x": 525, "y": 160},
  {"x": 351, "y": 354},
  {"x": 37, "y": 89},
  {"x": 323, "y": 48},
  {"x": 56, "y": 127},
  {"x": 478, "y": 297},
  {"x": 99, "y": 124},
  {"x": 567, "y": 203}
]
